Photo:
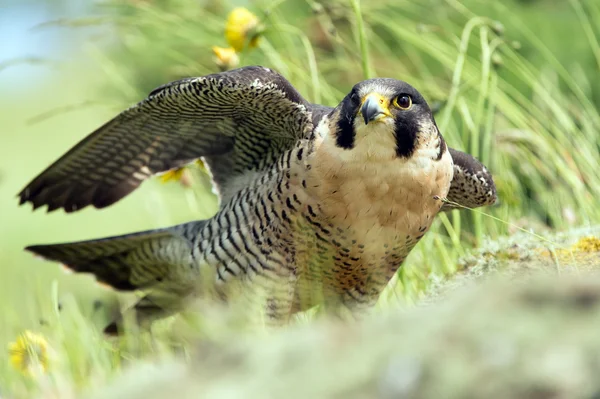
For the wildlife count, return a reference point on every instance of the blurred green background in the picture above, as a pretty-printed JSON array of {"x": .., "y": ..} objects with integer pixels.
[{"x": 515, "y": 83}]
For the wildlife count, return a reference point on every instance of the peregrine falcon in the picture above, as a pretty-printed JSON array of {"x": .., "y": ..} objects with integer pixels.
[{"x": 318, "y": 205}]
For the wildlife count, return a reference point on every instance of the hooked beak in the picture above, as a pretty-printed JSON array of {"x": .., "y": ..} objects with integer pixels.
[{"x": 373, "y": 108}]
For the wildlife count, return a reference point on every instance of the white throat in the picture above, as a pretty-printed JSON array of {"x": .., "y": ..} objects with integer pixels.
[{"x": 370, "y": 185}]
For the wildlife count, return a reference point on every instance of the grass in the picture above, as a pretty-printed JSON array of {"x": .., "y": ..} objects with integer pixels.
[
  {"x": 499, "y": 340},
  {"x": 524, "y": 103}
]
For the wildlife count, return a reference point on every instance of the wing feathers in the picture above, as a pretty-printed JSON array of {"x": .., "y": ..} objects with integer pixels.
[
  {"x": 234, "y": 113},
  {"x": 472, "y": 185}
]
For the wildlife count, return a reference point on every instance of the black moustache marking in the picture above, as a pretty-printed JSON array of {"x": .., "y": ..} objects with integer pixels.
[
  {"x": 442, "y": 146},
  {"x": 405, "y": 132},
  {"x": 346, "y": 134}
]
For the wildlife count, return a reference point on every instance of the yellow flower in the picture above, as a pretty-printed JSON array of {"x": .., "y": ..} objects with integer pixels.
[
  {"x": 29, "y": 353},
  {"x": 242, "y": 28},
  {"x": 226, "y": 58}
]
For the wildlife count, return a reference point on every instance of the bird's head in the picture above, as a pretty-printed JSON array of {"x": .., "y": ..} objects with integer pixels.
[{"x": 382, "y": 117}]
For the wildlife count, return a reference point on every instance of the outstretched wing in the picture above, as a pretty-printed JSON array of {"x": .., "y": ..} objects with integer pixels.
[
  {"x": 472, "y": 185},
  {"x": 244, "y": 117}
]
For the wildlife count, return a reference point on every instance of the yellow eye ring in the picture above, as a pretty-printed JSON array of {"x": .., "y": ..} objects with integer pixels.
[{"x": 403, "y": 101}]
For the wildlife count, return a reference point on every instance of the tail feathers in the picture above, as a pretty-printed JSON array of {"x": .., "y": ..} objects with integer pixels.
[
  {"x": 126, "y": 262},
  {"x": 105, "y": 258}
]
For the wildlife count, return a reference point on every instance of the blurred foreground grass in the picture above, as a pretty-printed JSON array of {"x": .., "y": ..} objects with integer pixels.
[
  {"x": 528, "y": 112},
  {"x": 530, "y": 337}
]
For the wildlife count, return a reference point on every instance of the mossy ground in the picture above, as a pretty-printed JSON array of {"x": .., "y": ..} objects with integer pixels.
[{"x": 519, "y": 326}]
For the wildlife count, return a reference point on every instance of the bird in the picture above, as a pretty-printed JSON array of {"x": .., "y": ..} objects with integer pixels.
[{"x": 318, "y": 205}]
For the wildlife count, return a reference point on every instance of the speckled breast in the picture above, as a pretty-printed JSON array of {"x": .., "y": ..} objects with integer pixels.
[{"x": 355, "y": 233}]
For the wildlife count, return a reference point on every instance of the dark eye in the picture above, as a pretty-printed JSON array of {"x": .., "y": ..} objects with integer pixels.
[
  {"x": 354, "y": 97},
  {"x": 403, "y": 101}
]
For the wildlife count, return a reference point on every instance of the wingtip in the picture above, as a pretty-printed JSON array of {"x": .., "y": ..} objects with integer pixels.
[
  {"x": 51, "y": 206},
  {"x": 36, "y": 204},
  {"x": 24, "y": 193},
  {"x": 23, "y": 196},
  {"x": 494, "y": 200},
  {"x": 23, "y": 200},
  {"x": 43, "y": 191}
]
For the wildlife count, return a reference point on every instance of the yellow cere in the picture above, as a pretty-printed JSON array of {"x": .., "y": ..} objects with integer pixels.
[
  {"x": 242, "y": 28},
  {"x": 381, "y": 100},
  {"x": 29, "y": 353}
]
